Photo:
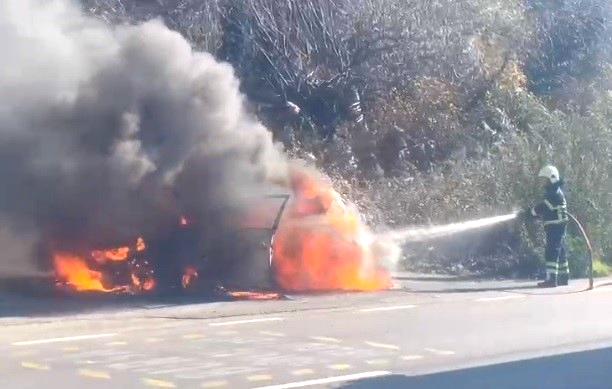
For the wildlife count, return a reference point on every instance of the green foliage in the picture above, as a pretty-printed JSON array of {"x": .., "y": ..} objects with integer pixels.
[
  {"x": 577, "y": 256},
  {"x": 601, "y": 269},
  {"x": 463, "y": 100}
]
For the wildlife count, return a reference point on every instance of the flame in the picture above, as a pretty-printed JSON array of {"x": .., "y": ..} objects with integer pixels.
[
  {"x": 119, "y": 254},
  {"x": 147, "y": 284},
  {"x": 189, "y": 276},
  {"x": 74, "y": 271},
  {"x": 183, "y": 221},
  {"x": 322, "y": 244},
  {"x": 248, "y": 295},
  {"x": 140, "y": 244}
]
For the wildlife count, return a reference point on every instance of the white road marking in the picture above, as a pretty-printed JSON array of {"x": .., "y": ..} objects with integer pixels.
[
  {"x": 34, "y": 366},
  {"x": 116, "y": 343},
  {"x": 259, "y": 377},
  {"x": 153, "y": 340},
  {"x": 223, "y": 355},
  {"x": 382, "y": 345},
  {"x": 377, "y": 362},
  {"x": 65, "y": 339},
  {"x": 325, "y": 339},
  {"x": 158, "y": 383},
  {"x": 340, "y": 366},
  {"x": 440, "y": 352},
  {"x": 302, "y": 372},
  {"x": 101, "y": 375},
  {"x": 231, "y": 323},
  {"x": 412, "y": 357},
  {"x": 272, "y": 333},
  {"x": 500, "y": 298},
  {"x": 328, "y": 380},
  {"x": 193, "y": 336},
  {"x": 391, "y": 308}
]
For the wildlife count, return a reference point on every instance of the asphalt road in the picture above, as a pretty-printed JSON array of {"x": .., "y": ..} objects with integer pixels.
[{"x": 428, "y": 333}]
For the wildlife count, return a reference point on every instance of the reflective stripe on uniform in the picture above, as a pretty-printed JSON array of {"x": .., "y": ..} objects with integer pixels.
[
  {"x": 552, "y": 207},
  {"x": 557, "y": 221}
]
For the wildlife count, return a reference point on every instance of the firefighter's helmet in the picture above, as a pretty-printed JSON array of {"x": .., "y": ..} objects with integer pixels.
[{"x": 550, "y": 172}]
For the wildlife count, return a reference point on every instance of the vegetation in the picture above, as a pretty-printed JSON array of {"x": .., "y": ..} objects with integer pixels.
[{"x": 428, "y": 110}]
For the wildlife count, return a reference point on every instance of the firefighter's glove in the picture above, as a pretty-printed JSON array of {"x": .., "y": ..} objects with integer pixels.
[{"x": 526, "y": 214}]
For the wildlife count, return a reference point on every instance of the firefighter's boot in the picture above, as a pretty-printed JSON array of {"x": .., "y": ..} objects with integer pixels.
[{"x": 551, "y": 282}]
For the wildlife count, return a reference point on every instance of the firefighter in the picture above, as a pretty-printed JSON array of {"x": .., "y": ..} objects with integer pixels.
[{"x": 553, "y": 212}]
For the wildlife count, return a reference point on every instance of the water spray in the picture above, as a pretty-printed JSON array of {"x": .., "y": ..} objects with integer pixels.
[{"x": 418, "y": 234}]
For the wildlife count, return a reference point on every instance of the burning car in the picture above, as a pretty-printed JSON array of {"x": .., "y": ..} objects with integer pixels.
[{"x": 308, "y": 240}]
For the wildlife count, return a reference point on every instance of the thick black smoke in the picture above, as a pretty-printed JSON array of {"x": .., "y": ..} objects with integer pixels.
[{"x": 110, "y": 133}]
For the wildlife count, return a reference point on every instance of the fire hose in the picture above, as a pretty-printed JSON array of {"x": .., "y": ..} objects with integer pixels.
[{"x": 589, "y": 248}]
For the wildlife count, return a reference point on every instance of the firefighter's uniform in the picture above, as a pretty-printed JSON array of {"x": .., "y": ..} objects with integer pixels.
[{"x": 553, "y": 212}]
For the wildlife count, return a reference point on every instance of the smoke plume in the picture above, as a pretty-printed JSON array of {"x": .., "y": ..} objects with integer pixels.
[{"x": 112, "y": 132}]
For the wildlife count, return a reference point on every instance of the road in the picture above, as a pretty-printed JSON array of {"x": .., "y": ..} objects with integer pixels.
[{"x": 426, "y": 333}]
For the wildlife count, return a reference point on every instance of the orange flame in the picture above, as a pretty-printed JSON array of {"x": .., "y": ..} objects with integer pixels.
[
  {"x": 119, "y": 254},
  {"x": 140, "y": 244},
  {"x": 146, "y": 285},
  {"x": 322, "y": 243},
  {"x": 248, "y": 295},
  {"x": 75, "y": 272},
  {"x": 189, "y": 276}
]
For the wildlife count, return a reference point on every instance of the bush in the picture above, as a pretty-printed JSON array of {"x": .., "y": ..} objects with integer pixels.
[{"x": 463, "y": 103}]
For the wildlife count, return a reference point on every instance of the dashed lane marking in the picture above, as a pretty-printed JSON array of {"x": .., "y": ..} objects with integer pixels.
[
  {"x": 382, "y": 345},
  {"x": 64, "y": 339},
  {"x": 235, "y": 322},
  {"x": 302, "y": 372},
  {"x": 214, "y": 384},
  {"x": 378, "y": 362},
  {"x": 325, "y": 339},
  {"x": 34, "y": 366},
  {"x": 158, "y": 383},
  {"x": 272, "y": 333},
  {"x": 328, "y": 380},
  {"x": 193, "y": 336},
  {"x": 440, "y": 352},
  {"x": 414, "y": 357},
  {"x": 223, "y": 355},
  {"x": 340, "y": 366},
  {"x": 101, "y": 375},
  {"x": 389, "y": 308},
  {"x": 500, "y": 298},
  {"x": 259, "y": 377},
  {"x": 116, "y": 343}
]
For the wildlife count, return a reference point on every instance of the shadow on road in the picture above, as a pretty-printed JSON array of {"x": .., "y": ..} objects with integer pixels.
[
  {"x": 36, "y": 297},
  {"x": 585, "y": 370}
]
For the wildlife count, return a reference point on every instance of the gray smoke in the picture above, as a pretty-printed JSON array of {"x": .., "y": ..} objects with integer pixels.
[{"x": 112, "y": 132}]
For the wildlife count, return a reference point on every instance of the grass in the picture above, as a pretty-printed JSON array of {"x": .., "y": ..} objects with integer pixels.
[{"x": 601, "y": 269}]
